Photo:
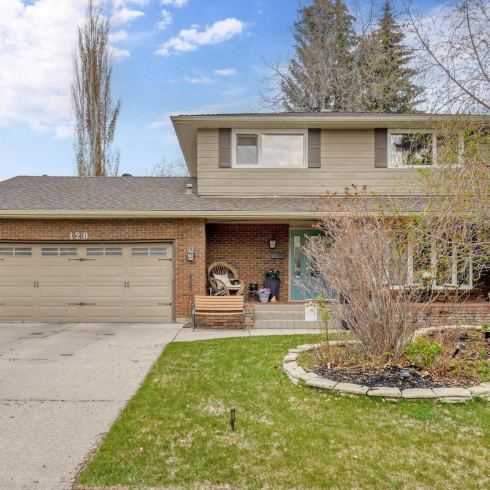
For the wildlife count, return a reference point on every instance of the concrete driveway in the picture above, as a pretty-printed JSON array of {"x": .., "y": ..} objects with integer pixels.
[{"x": 61, "y": 388}]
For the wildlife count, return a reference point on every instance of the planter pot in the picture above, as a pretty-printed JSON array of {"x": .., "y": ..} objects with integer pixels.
[
  {"x": 273, "y": 284},
  {"x": 264, "y": 297}
]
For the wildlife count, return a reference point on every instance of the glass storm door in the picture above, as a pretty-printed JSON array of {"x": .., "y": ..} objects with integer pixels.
[{"x": 305, "y": 284}]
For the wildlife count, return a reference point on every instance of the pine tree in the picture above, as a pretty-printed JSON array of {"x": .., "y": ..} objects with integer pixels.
[{"x": 397, "y": 92}]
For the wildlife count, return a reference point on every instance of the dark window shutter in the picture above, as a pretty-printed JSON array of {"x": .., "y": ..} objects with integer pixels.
[
  {"x": 314, "y": 148},
  {"x": 224, "y": 141},
  {"x": 381, "y": 148}
]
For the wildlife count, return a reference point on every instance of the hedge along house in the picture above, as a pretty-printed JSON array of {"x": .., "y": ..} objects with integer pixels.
[{"x": 137, "y": 249}]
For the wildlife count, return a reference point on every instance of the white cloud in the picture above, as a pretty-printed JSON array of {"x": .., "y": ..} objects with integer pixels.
[
  {"x": 36, "y": 42},
  {"x": 121, "y": 16},
  {"x": 122, "y": 3},
  {"x": 118, "y": 36},
  {"x": 225, "y": 72},
  {"x": 121, "y": 53},
  {"x": 175, "y": 3},
  {"x": 167, "y": 20},
  {"x": 198, "y": 80},
  {"x": 190, "y": 39},
  {"x": 63, "y": 131}
]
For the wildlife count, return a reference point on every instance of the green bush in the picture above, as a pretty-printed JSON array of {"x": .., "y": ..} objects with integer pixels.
[
  {"x": 323, "y": 310},
  {"x": 423, "y": 352}
]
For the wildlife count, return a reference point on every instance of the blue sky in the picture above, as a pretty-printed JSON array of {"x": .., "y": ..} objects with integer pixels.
[{"x": 173, "y": 57}]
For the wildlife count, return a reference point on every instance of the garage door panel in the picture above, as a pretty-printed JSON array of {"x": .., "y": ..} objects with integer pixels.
[
  {"x": 101, "y": 313},
  {"x": 163, "y": 291},
  {"x": 60, "y": 313},
  {"x": 104, "y": 271},
  {"x": 13, "y": 271},
  {"x": 101, "y": 292},
  {"x": 17, "y": 292},
  {"x": 54, "y": 272},
  {"x": 150, "y": 314},
  {"x": 9, "y": 312},
  {"x": 68, "y": 293},
  {"x": 149, "y": 271}
]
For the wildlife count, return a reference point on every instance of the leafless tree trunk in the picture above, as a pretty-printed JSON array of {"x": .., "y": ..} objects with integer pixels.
[{"x": 94, "y": 112}]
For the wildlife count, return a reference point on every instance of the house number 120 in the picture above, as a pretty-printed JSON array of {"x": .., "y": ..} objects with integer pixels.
[{"x": 78, "y": 236}]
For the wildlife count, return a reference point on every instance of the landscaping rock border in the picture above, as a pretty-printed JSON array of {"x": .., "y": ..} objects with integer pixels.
[{"x": 447, "y": 395}]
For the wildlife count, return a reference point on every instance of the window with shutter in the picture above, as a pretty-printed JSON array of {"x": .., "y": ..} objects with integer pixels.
[
  {"x": 314, "y": 148},
  {"x": 224, "y": 155},
  {"x": 381, "y": 148}
]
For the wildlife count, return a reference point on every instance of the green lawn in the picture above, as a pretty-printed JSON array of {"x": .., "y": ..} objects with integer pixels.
[{"x": 175, "y": 432}]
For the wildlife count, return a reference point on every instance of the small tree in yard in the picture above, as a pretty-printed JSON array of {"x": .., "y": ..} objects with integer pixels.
[
  {"x": 363, "y": 258},
  {"x": 94, "y": 112}
]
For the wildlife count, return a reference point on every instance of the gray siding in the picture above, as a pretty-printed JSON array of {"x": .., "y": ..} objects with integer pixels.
[{"x": 347, "y": 158}]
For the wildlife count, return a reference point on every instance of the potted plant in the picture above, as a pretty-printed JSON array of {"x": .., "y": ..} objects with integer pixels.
[
  {"x": 264, "y": 295},
  {"x": 273, "y": 281}
]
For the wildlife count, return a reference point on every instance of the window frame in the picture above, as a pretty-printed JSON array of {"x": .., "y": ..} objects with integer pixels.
[
  {"x": 411, "y": 131},
  {"x": 258, "y": 132},
  {"x": 454, "y": 271}
]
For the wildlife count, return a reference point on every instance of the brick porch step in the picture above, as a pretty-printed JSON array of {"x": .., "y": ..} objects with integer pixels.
[
  {"x": 286, "y": 324},
  {"x": 271, "y": 315}
]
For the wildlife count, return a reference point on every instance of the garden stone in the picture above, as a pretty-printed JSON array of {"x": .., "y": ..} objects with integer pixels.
[
  {"x": 291, "y": 358},
  {"x": 413, "y": 393},
  {"x": 305, "y": 347},
  {"x": 486, "y": 385},
  {"x": 308, "y": 376},
  {"x": 351, "y": 388},
  {"x": 479, "y": 390},
  {"x": 293, "y": 351},
  {"x": 385, "y": 392},
  {"x": 452, "y": 395},
  {"x": 322, "y": 383},
  {"x": 297, "y": 372}
]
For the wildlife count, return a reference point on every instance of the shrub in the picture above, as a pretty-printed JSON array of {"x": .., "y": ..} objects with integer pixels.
[
  {"x": 323, "y": 310},
  {"x": 423, "y": 352}
]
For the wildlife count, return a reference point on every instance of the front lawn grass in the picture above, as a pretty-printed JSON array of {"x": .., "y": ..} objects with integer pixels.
[{"x": 175, "y": 432}]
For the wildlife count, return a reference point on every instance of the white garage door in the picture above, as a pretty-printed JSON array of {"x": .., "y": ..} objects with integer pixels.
[{"x": 86, "y": 283}]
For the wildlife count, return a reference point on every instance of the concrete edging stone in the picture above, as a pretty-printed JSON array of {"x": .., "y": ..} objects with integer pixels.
[{"x": 447, "y": 395}]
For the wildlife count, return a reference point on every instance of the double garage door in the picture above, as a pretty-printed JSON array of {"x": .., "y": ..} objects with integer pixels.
[{"x": 86, "y": 282}]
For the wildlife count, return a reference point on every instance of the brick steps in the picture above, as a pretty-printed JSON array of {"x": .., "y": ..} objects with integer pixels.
[{"x": 270, "y": 315}]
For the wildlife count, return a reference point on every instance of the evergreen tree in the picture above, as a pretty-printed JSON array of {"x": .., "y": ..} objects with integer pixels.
[{"x": 397, "y": 92}]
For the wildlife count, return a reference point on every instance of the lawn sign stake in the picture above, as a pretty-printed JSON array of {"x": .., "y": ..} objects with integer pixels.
[{"x": 232, "y": 419}]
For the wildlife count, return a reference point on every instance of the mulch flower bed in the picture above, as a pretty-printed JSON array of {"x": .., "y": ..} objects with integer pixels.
[
  {"x": 389, "y": 376},
  {"x": 468, "y": 366}
]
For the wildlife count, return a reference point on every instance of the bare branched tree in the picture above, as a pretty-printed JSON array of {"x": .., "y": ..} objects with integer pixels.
[
  {"x": 453, "y": 54},
  {"x": 94, "y": 112},
  {"x": 363, "y": 258},
  {"x": 176, "y": 168}
]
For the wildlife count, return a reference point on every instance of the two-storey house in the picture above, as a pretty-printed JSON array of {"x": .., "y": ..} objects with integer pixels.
[{"x": 137, "y": 249}]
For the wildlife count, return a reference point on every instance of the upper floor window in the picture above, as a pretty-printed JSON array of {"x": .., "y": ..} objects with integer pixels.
[
  {"x": 410, "y": 148},
  {"x": 269, "y": 148}
]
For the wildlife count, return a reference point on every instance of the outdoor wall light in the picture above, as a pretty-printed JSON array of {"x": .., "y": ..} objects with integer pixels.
[
  {"x": 405, "y": 373},
  {"x": 272, "y": 241},
  {"x": 190, "y": 254},
  {"x": 459, "y": 346}
]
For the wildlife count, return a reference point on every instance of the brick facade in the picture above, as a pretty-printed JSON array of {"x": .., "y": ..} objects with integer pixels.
[
  {"x": 246, "y": 247},
  {"x": 190, "y": 277},
  {"x": 437, "y": 314}
]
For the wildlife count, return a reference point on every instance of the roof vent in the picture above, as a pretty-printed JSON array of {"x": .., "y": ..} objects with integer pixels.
[
  {"x": 190, "y": 190},
  {"x": 326, "y": 110},
  {"x": 126, "y": 175}
]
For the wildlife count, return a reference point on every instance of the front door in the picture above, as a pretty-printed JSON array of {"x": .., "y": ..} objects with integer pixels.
[{"x": 305, "y": 283}]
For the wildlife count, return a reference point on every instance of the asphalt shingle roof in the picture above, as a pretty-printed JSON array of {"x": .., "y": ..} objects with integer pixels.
[{"x": 129, "y": 194}]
